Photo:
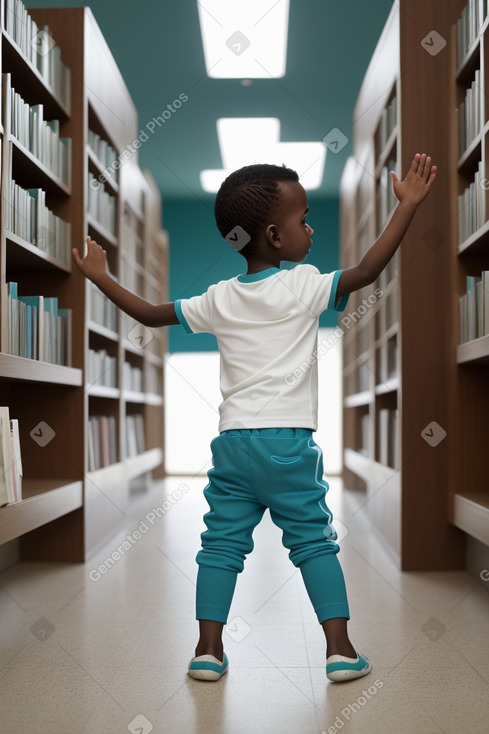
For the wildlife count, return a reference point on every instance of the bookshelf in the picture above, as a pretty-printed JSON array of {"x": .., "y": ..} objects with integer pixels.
[
  {"x": 109, "y": 395},
  {"x": 414, "y": 398}
]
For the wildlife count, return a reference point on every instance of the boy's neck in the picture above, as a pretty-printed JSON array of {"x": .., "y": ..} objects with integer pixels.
[{"x": 256, "y": 265}]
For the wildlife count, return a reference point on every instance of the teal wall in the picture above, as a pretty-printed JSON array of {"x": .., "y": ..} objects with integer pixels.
[{"x": 199, "y": 256}]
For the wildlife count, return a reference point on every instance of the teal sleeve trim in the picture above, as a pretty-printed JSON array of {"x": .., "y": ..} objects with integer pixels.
[
  {"x": 332, "y": 297},
  {"x": 181, "y": 317}
]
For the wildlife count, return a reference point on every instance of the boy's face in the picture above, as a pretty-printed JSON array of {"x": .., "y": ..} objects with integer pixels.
[{"x": 291, "y": 234}]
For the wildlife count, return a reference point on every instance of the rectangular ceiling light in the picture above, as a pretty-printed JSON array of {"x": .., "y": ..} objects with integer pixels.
[
  {"x": 244, "y": 39},
  {"x": 247, "y": 140}
]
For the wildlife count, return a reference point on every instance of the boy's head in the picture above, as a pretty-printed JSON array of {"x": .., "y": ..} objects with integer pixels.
[{"x": 247, "y": 201}]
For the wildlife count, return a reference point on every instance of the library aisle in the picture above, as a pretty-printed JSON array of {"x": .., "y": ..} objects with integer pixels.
[{"x": 112, "y": 637}]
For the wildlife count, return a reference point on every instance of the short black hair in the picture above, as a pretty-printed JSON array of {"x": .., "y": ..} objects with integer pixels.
[{"x": 247, "y": 198}]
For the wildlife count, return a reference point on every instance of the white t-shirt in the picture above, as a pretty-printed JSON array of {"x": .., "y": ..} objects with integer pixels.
[{"x": 266, "y": 326}]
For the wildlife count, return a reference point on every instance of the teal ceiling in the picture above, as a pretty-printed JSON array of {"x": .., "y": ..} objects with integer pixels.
[{"x": 157, "y": 46}]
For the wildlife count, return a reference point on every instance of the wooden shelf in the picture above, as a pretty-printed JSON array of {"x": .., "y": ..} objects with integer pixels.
[
  {"x": 29, "y": 78},
  {"x": 358, "y": 399},
  {"x": 103, "y": 391},
  {"x": 471, "y": 514},
  {"x": 44, "y": 500},
  {"x": 16, "y": 369},
  {"x": 474, "y": 352},
  {"x": 103, "y": 235},
  {"x": 137, "y": 465},
  {"x": 68, "y": 519},
  {"x": 427, "y": 385},
  {"x": 23, "y": 254}
]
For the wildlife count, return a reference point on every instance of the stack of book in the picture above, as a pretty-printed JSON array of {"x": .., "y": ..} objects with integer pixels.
[
  {"x": 101, "y": 309},
  {"x": 131, "y": 278},
  {"x": 10, "y": 459},
  {"x": 133, "y": 378},
  {"x": 37, "y": 328},
  {"x": 101, "y": 205},
  {"x": 469, "y": 115},
  {"x": 154, "y": 379},
  {"x": 388, "y": 122},
  {"x": 472, "y": 206},
  {"x": 474, "y": 308},
  {"x": 388, "y": 446},
  {"x": 38, "y": 47},
  {"x": 134, "y": 435},
  {"x": 386, "y": 198},
  {"x": 27, "y": 216},
  {"x": 41, "y": 137},
  {"x": 102, "y": 441},
  {"x": 105, "y": 153},
  {"x": 468, "y": 26},
  {"x": 102, "y": 368}
]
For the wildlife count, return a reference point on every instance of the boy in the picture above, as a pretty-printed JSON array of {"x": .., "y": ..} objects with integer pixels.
[{"x": 266, "y": 323}]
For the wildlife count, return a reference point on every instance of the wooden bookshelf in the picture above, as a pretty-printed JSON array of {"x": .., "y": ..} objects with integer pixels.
[
  {"x": 68, "y": 508},
  {"x": 403, "y": 370}
]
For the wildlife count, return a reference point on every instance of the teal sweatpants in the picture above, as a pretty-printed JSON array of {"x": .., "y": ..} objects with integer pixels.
[{"x": 280, "y": 469}]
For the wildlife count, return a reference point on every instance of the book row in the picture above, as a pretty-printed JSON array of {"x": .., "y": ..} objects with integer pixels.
[
  {"x": 38, "y": 46},
  {"x": 131, "y": 278},
  {"x": 104, "y": 152},
  {"x": 100, "y": 204},
  {"x": 41, "y": 137},
  {"x": 27, "y": 216},
  {"x": 472, "y": 205},
  {"x": 102, "y": 439},
  {"x": 101, "y": 310},
  {"x": 388, "y": 122},
  {"x": 386, "y": 198},
  {"x": 10, "y": 459},
  {"x": 470, "y": 114},
  {"x": 133, "y": 378},
  {"x": 468, "y": 27},
  {"x": 387, "y": 447},
  {"x": 38, "y": 328},
  {"x": 102, "y": 368},
  {"x": 474, "y": 308}
]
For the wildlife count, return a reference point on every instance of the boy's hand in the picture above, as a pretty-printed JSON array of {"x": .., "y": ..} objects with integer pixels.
[
  {"x": 418, "y": 181},
  {"x": 94, "y": 264}
]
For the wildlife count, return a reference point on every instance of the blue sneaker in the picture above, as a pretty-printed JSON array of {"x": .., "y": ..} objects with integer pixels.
[
  {"x": 207, "y": 667},
  {"x": 340, "y": 668}
]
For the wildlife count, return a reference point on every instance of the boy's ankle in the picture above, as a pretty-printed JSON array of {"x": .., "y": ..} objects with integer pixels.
[{"x": 209, "y": 649}]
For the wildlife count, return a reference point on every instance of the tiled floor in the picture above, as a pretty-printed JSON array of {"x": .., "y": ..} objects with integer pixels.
[{"x": 91, "y": 653}]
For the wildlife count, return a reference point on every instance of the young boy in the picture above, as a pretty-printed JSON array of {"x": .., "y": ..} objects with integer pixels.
[{"x": 266, "y": 324}]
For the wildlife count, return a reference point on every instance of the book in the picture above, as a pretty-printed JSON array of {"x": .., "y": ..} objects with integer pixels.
[{"x": 7, "y": 491}]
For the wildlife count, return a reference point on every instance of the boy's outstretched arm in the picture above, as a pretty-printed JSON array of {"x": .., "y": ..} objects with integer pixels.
[
  {"x": 94, "y": 267},
  {"x": 410, "y": 192}
]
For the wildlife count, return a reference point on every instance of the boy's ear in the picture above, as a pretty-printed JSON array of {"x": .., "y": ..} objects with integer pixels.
[{"x": 273, "y": 235}]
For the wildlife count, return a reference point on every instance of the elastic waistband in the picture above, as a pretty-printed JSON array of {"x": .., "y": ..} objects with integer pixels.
[{"x": 277, "y": 432}]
